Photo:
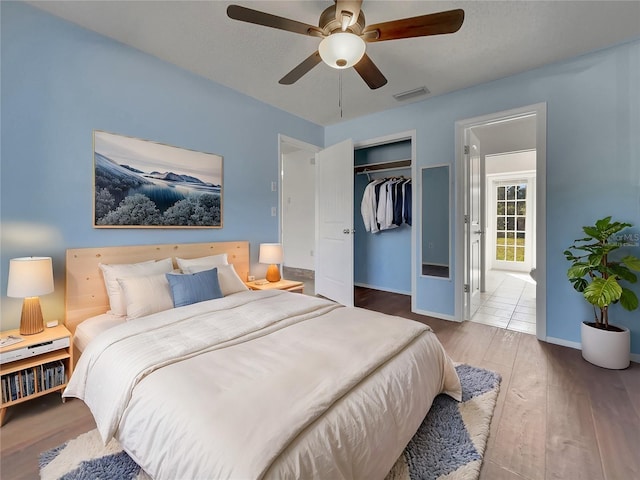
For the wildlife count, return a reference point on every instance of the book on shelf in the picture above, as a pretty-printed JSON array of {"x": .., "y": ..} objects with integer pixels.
[{"x": 29, "y": 381}]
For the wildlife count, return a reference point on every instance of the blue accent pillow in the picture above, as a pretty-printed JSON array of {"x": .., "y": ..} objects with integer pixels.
[{"x": 194, "y": 287}]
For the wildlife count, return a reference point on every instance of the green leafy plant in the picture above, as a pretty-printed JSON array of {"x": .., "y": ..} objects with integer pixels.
[{"x": 596, "y": 276}]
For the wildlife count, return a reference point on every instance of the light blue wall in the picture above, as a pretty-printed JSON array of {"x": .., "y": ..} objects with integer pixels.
[
  {"x": 593, "y": 160},
  {"x": 381, "y": 260},
  {"x": 59, "y": 82}
]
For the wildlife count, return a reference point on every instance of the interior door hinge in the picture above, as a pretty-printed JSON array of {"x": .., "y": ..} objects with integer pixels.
[
  {"x": 466, "y": 149},
  {"x": 466, "y": 219},
  {"x": 466, "y": 288}
]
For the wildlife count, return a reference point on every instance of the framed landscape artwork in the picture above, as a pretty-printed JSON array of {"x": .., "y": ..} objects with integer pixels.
[{"x": 143, "y": 184}]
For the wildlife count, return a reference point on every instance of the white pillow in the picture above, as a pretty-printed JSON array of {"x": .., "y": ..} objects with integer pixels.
[
  {"x": 111, "y": 273},
  {"x": 202, "y": 263},
  {"x": 146, "y": 295},
  {"x": 228, "y": 278}
]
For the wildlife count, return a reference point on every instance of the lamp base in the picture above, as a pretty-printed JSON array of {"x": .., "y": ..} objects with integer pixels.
[
  {"x": 273, "y": 273},
  {"x": 31, "y": 321}
]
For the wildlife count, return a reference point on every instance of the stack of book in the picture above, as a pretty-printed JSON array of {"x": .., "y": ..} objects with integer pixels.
[{"x": 32, "y": 380}]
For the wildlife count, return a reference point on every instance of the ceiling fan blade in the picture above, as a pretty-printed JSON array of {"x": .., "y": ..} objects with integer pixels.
[
  {"x": 421, "y": 26},
  {"x": 307, "y": 64},
  {"x": 370, "y": 73},
  {"x": 249, "y": 15},
  {"x": 351, "y": 7}
]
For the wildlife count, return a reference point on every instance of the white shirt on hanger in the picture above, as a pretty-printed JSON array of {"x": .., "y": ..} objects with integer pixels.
[{"x": 368, "y": 207}]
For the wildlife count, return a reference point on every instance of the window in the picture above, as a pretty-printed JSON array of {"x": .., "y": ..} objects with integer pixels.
[{"x": 511, "y": 212}]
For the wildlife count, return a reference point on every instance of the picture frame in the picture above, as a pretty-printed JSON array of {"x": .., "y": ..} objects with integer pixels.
[{"x": 145, "y": 184}]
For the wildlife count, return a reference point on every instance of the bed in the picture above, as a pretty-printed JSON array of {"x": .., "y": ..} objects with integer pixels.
[{"x": 254, "y": 384}]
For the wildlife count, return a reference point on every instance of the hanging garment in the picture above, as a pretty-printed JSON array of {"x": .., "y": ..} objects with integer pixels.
[
  {"x": 391, "y": 203},
  {"x": 369, "y": 206},
  {"x": 398, "y": 203},
  {"x": 407, "y": 202},
  {"x": 385, "y": 205}
]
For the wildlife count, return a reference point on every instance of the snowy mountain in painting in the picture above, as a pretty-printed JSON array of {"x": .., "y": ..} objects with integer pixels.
[
  {"x": 175, "y": 177},
  {"x": 132, "y": 169},
  {"x": 130, "y": 176}
]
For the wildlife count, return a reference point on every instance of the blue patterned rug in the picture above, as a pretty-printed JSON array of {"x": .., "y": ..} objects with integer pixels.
[{"x": 449, "y": 444}]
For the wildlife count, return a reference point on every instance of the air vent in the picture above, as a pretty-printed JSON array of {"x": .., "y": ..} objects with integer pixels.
[{"x": 416, "y": 92}]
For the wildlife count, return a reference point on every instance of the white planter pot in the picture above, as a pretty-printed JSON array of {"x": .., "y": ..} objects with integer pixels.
[{"x": 605, "y": 348}]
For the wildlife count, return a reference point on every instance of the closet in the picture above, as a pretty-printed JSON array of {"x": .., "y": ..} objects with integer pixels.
[{"x": 382, "y": 259}]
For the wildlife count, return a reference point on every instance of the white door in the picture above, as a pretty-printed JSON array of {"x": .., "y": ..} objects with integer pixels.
[
  {"x": 474, "y": 227},
  {"x": 334, "y": 223}
]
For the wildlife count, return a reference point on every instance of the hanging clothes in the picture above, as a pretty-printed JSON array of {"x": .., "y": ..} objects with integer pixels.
[{"x": 386, "y": 204}]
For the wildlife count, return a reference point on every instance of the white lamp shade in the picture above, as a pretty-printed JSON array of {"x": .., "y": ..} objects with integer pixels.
[
  {"x": 30, "y": 277},
  {"x": 341, "y": 50},
  {"x": 270, "y": 253}
]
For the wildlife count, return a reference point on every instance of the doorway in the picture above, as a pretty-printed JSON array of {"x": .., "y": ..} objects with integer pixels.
[
  {"x": 500, "y": 258},
  {"x": 332, "y": 222},
  {"x": 508, "y": 299},
  {"x": 297, "y": 208}
]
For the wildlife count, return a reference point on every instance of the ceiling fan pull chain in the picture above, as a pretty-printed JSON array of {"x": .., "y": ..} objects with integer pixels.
[{"x": 340, "y": 91}]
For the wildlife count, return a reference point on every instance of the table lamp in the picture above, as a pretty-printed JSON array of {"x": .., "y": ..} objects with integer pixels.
[
  {"x": 30, "y": 277},
  {"x": 271, "y": 253}
]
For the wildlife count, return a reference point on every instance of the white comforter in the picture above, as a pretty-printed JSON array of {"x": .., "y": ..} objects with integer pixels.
[{"x": 263, "y": 385}]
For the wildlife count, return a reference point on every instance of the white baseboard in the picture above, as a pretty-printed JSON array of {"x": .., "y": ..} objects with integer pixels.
[
  {"x": 635, "y": 357},
  {"x": 562, "y": 342}
]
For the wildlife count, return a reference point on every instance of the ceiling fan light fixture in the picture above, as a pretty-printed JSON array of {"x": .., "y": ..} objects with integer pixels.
[{"x": 342, "y": 49}]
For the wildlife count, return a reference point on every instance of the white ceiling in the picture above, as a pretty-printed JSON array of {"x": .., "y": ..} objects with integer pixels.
[{"x": 497, "y": 39}]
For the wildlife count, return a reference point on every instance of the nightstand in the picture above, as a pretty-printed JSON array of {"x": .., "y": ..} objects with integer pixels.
[
  {"x": 288, "y": 285},
  {"x": 38, "y": 372}
]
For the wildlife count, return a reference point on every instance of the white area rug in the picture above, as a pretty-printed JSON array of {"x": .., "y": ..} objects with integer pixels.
[{"x": 449, "y": 445}]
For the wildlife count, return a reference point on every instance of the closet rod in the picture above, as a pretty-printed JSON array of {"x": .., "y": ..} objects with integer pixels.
[
  {"x": 382, "y": 166},
  {"x": 367, "y": 172}
]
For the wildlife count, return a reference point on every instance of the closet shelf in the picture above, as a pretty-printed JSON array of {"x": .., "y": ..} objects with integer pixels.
[{"x": 382, "y": 166}]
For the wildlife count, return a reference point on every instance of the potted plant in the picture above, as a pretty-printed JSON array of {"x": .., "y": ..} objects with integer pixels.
[{"x": 600, "y": 279}]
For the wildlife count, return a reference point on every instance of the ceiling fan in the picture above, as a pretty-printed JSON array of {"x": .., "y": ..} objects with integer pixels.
[{"x": 344, "y": 35}]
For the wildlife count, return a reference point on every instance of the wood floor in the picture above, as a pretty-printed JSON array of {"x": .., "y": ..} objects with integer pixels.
[{"x": 558, "y": 417}]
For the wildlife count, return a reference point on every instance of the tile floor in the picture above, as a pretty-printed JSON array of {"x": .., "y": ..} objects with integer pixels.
[{"x": 509, "y": 302}]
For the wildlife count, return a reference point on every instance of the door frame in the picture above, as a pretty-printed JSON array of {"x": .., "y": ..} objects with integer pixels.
[
  {"x": 461, "y": 128},
  {"x": 392, "y": 138},
  {"x": 474, "y": 225}
]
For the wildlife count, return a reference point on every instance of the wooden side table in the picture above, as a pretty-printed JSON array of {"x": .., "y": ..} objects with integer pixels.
[
  {"x": 288, "y": 285},
  {"x": 38, "y": 374}
]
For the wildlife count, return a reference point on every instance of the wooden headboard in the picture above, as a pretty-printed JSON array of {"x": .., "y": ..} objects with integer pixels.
[{"x": 85, "y": 293}]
